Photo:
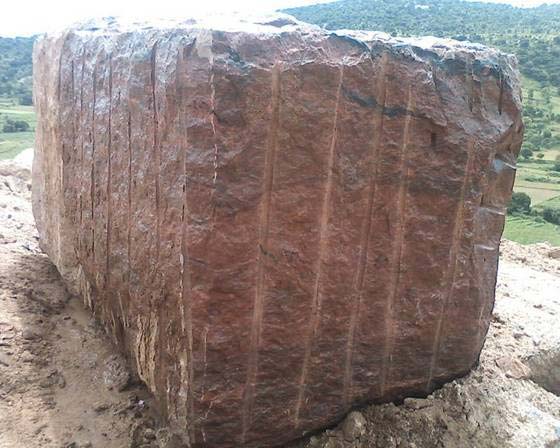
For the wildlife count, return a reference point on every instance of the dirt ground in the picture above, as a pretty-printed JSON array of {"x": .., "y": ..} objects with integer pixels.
[{"x": 62, "y": 385}]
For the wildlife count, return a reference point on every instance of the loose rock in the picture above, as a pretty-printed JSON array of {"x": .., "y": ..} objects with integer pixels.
[{"x": 354, "y": 426}]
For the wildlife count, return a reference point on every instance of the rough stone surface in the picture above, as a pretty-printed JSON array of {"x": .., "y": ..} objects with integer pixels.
[{"x": 276, "y": 223}]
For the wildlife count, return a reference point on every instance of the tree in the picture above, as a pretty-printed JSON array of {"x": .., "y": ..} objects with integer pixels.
[
  {"x": 26, "y": 99},
  {"x": 551, "y": 215},
  {"x": 546, "y": 95},
  {"x": 520, "y": 203},
  {"x": 15, "y": 126},
  {"x": 526, "y": 153}
]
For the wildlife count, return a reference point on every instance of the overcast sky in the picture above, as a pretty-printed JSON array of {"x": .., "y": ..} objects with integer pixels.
[{"x": 26, "y": 17}]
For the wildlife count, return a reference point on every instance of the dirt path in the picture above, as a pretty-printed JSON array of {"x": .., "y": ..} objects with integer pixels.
[{"x": 61, "y": 385}]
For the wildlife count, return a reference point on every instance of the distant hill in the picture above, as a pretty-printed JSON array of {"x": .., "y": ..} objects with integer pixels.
[
  {"x": 16, "y": 68},
  {"x": 533, "y": 34}
]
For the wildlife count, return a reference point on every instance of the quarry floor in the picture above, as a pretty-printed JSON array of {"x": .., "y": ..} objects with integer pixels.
[{"x": 62, "y": 385}]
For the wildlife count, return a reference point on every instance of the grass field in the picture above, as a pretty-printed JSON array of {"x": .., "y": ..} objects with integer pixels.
[
  {"x": 12, "y": 143},
  {"x": 537, "y": 179},
  {"x": 552, "y": 203},
  {"x": 526, "y": 230}
]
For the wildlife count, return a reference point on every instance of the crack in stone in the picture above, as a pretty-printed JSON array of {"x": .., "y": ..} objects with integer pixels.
[
  {"x": 317, "y": 298},
  {"x": 398, "y": 249},
  {"x": 264, "y": 226}
]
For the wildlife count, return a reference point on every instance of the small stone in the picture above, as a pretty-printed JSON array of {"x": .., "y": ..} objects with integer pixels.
[
  {"x": 100, "y": 407},
  {"x": 45, "y": 383},
  {"x": 555, "y": 254},
  {"x": 498, "y": 320},
  {"x": 513, "y": 367},
  {"x": 518, "y": 335},
  {"x": 389, "y": 411},
  {"x": 149, "y": 434},
  {"x": 40, "y": 429},
  {"x": 4, "y": 360},
  {"x": 314, "y": 441},
  {"x": 417, "y": 403},
  {"x": 30, "y": 335},
  {"x": 354, "y": 426},
  {"x": 27, "y": 356},
  {"x": 332, "y": 443},
  {"x": 116, "y": 374}
]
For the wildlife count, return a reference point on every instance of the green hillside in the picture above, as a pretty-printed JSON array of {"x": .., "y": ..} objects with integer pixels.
[
  {"x": 17, "y": 119},
  {"x": 533, "y": 34},
  {"x": 15, "y": 68}
]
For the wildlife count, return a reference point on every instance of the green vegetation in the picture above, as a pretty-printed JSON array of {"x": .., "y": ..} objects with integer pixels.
[
  {"x": 15, "y": 69},
  {"x": 520, "y": 203},
  {"x": 553, "y": 203},
  {"x": 17, "y": 126},
  {"x": 17, "y": 119},
  {"x": 532, "y": 34},
  {"x": 528, "y": 230}
]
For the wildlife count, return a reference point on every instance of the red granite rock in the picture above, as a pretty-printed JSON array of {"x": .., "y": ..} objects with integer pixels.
[{"x": 276, "y": 223}]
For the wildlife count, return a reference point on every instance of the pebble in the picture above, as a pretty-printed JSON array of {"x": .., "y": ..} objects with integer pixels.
[
  {"x": 166, "y": 439},
  {"x": 417, "y": 403},
  {"x": 27, "y": 356},
  {"x": 100, "y": 407},
  {"x": 4, "y": 360},
  {"x": 30, "y": 335},
  {"x": 513, "y": 367},
  {"x": 149, "y": 434},
  {"x": 555, "y": 254},
  {"x": 354, "y": 426}
]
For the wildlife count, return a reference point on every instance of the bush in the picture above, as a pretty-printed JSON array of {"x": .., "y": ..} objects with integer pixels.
[
  {"x": 520, "y": 203},
  {"x": 551, "y": 215},
  {"x": 556, "y": 166},
  {"x": 15, "y": 126},
  {"x": 533, "y": 178},
  {"x": 526, "y": 153},
  {"x": 25, "y": 99}
]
